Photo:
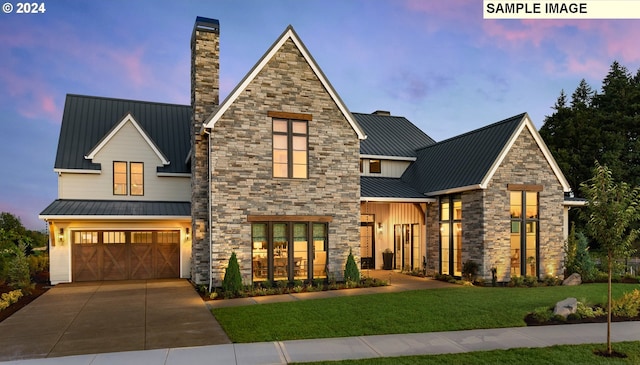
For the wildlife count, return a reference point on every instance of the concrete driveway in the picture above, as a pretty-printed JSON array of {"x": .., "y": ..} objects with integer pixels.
[{"x": 89, "y": 318}]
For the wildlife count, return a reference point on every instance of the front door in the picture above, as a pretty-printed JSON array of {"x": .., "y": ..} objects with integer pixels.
[
  {"x": 367, "y": 245},
  {"x": 407, "y": 246}
]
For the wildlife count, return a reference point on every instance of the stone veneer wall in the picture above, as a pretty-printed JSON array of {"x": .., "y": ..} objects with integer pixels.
[
  {"x": 241, "y": 158},
  {"x": 205, "y": 45},
  {"x": 525, "y": 164}
]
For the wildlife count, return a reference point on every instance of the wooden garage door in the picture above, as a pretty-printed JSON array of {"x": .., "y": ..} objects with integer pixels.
[{"x": 124, "y": 255}]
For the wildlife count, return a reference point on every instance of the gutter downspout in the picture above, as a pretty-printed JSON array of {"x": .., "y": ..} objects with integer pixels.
[{"x": 209, "y": 206}]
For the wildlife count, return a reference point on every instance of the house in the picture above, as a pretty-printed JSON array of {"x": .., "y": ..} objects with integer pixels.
[{"x": 285, "y": 176}]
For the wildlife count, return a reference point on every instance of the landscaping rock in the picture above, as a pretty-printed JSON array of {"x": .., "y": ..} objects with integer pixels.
[
  {"x": 573, "y": 279},
  {"x": 566, "y": 307}
]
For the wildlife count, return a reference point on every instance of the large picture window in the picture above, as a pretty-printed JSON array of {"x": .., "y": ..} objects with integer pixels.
[
  {"x": 524, "y": 232},
  {"x": 295, "y": 250},
  {"x": 451, "y": 235},
  {"x": 290, "y": 148}
]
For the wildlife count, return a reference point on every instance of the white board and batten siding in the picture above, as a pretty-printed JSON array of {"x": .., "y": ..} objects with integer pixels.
[
  {"x": 389, "y": 168},
  {"x": 127, "y": 146}
]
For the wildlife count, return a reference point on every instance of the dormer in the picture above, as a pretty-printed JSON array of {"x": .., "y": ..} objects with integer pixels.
[{"x": 390, "y": 145}]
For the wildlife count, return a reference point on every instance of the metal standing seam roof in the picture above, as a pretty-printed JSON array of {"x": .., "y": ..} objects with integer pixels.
[
  {"x": 87, "y": 119},
  {"x": 390, "y": 136},
  {"x": 386, "y": 187},
  {"x": 120, "y": 208},
  {"x": 460, "y": 161}
]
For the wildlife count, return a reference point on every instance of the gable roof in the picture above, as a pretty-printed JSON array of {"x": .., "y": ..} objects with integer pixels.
[
  {"x": 289, "y": 33},
  {"x": 391, "y": 136},
  {"x": 127, "y": 119},
  {"x": 88, "y": 120},
  {"x": 469, "y": 161}
]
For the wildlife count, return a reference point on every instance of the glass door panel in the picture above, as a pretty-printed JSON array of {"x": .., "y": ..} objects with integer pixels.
[
  {"x": 366, "y": 246},
  {"x": 300, "y": 253},
  {"x": 444, "y": 250},
  {"x": 319, "y": 250},
  {"x": 280, "y": 251}
]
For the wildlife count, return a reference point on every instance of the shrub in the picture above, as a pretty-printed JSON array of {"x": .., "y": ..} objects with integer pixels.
[
  {"x": 232, "y": 282},
  {"x": 351, "y": 272},
  {"x": 585, "y": 311},
  {"x": 18, "y": 271},
  {"x": 549, "y": 280},
  {"x": 542, "y": 314},
  {"x": 38, "y": 264},
  {"x": 627, "y": 306},
  {"x": 516, "y": 281},
  {"x": 470, "y": 270},
  {"x": 578, "y": 260}
]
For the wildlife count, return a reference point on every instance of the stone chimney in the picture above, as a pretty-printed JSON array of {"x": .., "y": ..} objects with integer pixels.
[
  {"x": 205, "y": 91},
  {"x": 382, "y": 112}
]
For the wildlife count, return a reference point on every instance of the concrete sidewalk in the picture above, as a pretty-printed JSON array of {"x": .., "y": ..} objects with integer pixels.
[{"x": 284, "y": 352}]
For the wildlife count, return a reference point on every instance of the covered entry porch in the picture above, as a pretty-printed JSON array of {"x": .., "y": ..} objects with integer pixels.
[{"x": 393, "y": 220}]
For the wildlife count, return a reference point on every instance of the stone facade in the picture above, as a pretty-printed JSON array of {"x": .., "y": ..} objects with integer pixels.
[
  {"x": 241, "y": 164},
  {"x": 486, "y": 218},
  {"x": 524, "y": 164},
  {"x": 205, "y": 45}
]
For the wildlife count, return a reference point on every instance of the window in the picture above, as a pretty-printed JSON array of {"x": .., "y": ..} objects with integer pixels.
[
  {"x": 290, "y": 146},
  {"x": 375, "y": 167},
  {"x": 451, "y": 235},
  {"x": 128, "y": 178},
  {"x": 524, "y": 232},
  {"x": 137, "y": 178},
  {"x": 119, "y": 178},
  {"x": 294, "y": 250}
]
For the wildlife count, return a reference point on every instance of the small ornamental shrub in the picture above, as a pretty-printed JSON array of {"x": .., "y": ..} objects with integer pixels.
[
  {"x": 627, "y": 306},
  {"x": 470, "y": 270},
  {"x": 6, "y": 299},
  {"x": 232, "y": 283},
  {"x": 585, "y": 311},
  {"x": 542, "y": 314},
  {"x": 351, "y": 272}
]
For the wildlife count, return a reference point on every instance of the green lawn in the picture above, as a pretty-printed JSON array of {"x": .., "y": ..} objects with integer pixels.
[
  {"x": 556, "y": 355},
  {"x": 449, "y": 309}
]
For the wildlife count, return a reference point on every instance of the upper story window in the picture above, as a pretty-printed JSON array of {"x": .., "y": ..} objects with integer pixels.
[
  {"x": 119, "y": 178},
  {"x": 137, "y": 178},
  {"x": 290, "y": 148},
  {"x": 375, "y": 167},
  {"x": 128, "y": 178}
]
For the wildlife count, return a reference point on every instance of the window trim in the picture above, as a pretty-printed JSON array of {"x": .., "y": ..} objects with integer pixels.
[
  {"x": 131, "y": 179},
  {"x": 126, "y": 177},
  {"x": 290, "y": 134},
  {"x": 372, "y": 162},
  {"x": 451, "y": 220},
  {"x": 290, "y": 247},
  {"x": 524, "y": 220}
]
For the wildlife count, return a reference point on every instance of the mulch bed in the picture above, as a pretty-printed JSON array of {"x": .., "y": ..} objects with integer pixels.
[
  {"x": 42, "y": 285},
  {"x": 603, "y": 319}
]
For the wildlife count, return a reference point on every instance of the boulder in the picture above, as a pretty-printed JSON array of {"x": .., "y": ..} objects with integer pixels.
[
  {"x": 573, "y": 279},
  {"x": 566, "y": 307}
]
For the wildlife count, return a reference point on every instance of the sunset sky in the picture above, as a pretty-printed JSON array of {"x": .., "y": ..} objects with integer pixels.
[{"x": 438, "y": 63}]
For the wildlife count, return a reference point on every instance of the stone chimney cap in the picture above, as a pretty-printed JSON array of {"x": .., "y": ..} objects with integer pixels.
[
  {"x": 212, "y": 24},
  {"x": 382, "y": 112}
]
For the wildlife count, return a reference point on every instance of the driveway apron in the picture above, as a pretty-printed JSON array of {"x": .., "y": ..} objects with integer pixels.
[{"x": 89, "y": 318}]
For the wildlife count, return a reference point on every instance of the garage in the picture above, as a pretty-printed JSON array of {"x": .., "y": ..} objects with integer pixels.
[{"x": 125, "y": 255}]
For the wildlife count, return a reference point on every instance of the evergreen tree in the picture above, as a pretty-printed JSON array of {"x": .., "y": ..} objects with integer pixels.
[{"x": 232, "y": 282}]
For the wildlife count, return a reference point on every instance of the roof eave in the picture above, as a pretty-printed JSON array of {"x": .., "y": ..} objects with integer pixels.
[
  {"x": 397, "y": 200},
  {"x": 114, "y": 217},
  {"x": 455, "y": 190},
  {"x": 394, "y": 158}
]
